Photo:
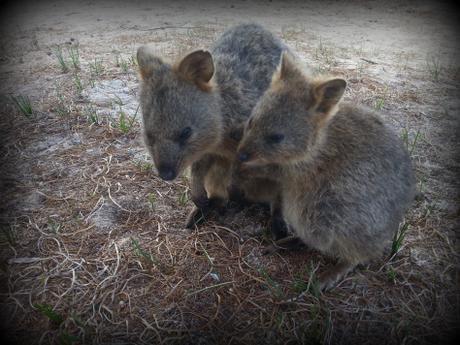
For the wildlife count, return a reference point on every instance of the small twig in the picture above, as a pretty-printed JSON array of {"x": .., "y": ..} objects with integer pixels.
[
  {"x": 24, "y": 260},
  {"x": 163, "y": 28},
  {"x": 210, "y": 287},
  {"x": 173, "y": 289},
  {"x": 369, "y": 61},
  {"x": 116, "y": 203}
]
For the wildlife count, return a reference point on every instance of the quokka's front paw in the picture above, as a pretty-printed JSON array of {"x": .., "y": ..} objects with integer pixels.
[
  {"x": 329, "y": 279},
  {"x": 286, "y": 243},
  {"x": 218, "y": 205},
  {"x": 201, "y": 201},
  {"x": 212, "y": 206},
  {"x": 196, "y": 217},
  {"x": 278, "y": 228}
]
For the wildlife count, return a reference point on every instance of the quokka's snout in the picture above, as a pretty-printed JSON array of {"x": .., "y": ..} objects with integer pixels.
[{"x": 167, "y": 172}]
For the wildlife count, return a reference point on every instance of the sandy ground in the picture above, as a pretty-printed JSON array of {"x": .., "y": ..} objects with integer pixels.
[{"x": 92, "y": 244}]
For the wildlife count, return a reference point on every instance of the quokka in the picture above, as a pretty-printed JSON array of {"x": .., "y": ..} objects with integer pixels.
[
  {"x": 194, "y": 112},
  {"x": 346, "y": 178}
]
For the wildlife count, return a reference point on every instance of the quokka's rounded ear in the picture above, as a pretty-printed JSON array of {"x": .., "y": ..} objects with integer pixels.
[
  {"x": 287, "y": 67},
  {"x": 198, "y": 68},
  {"x": 328, "y": 94},
  {"x": 148, "y": 62}
]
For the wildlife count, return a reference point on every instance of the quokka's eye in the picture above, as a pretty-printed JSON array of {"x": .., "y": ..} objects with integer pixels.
[
  {"x": 185, "y": 134},
  {"x": 275, "y": 138}
]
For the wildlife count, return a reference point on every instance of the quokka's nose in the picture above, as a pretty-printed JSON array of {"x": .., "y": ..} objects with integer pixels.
[
  {"x": 167, "y": 173},
  {"x": 243, "y": 156}
]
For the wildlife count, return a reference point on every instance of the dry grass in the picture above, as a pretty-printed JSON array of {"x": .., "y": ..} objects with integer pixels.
[{"x": 93, "y": 248}]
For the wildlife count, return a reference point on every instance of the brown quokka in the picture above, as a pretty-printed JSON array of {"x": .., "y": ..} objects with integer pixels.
[
  {"x": 194, "y": 112},
  {"x": 346, "y": 178}
]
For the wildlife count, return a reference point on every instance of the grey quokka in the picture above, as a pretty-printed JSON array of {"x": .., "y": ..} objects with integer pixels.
[
  {"x": 346, "y": 178},
  {"x": 194, "y": 112}
]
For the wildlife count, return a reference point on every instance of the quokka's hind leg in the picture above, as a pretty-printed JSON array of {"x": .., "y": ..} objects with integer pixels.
[
  {"x": 286, "y": 243},
  {"x": 278, "y": 226},
  {"x": 334, "y": 275},
  {"x": 237, "y": 197},
  {"x": 217, "y": 182}
]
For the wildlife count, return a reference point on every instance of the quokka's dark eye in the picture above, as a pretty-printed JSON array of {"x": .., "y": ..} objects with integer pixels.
[
  {"x": 185, "y": 134},
  {"x": 274, "y": 138}
]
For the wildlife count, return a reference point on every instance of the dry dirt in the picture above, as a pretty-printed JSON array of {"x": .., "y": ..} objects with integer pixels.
[{"x": 93, "y": 249}]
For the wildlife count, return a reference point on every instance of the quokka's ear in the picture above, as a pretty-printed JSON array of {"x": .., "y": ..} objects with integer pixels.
[
  {"x": 198, "y": 68},
  {"x": 328, "y": 94},
  {"x": 287, "y": 68},
  {"x": 148, "y": 62}
]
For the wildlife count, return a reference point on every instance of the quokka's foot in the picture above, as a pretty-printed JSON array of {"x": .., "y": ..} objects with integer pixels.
[
  {"x": 196, "y": 217},
  {"x": 202, "y": 201},
  {"x": 237, "y": 197},
  {"x": 218, "y": 205},
  {"x": 334, "y": 275},
  {"x": 208, "y": 207},
  {"x": 278, "y": 228},
  {"x": 287, "y": 243}
]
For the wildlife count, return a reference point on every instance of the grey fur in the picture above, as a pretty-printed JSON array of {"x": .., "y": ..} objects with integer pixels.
[
  {"x": 243, "y": 60},
  {"x": 346, "y": 178}
]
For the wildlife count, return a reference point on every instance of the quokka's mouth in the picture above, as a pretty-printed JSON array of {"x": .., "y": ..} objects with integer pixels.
[{"x": 170, "y": 172}]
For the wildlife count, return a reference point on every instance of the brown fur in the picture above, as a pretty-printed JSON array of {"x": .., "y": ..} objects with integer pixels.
[
  {"x": 345, "y": 178},
  {"x": 194, "y": 109}
]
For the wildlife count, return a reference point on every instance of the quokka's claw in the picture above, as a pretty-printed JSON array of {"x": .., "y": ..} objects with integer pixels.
[
  {"x": 278, "y": 228},
  {"x": 212, "y": 206},
  {"x": 201, "y": 202},
  {"x": 334, "y": 275},
  {"x": 286, "y": 243},
  {"x": 218, "y": 204},
  {"x": 195, "y": 217}
]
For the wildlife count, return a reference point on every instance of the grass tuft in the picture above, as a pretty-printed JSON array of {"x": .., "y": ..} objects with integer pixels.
[
  {"x": 8, "y": 234},
  {"x": 380, "y": 101},
  {"x": 74, "y": 55},
  {"x": 398, "y": 239},
  {"x": 61, "y": 59},
  {"x": 23, "y": 104},
  {"x": 96, "y": 67},
  {"x": 148, "y": 258},
  {"x": 183, "y": 197},
  {"x": 271, "y": 284},
  {"x": 410, "y": 145},
  {"x": 325, "y": 56},
  {"x": 78, "y": 84},
  {"x": 124, "y": 64},
  {"x": 62, "y": 108},
  {"x": 125, "y": 122},
  {"x": 145, "y": 166},
  {"x": 433, "y": 67},
  {"x": 67, "y": 339},
  {"x": 152, "y": 200},
  {"x": 91, "y": 115},
  {"x": 48, "y": 311}
]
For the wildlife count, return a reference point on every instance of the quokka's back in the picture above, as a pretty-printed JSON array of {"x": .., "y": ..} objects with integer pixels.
[{"x": 357, "y": 187}]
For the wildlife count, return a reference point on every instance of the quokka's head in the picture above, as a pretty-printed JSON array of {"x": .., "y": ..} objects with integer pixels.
[
  {"x": 180, "y": 108},
  {"x": 287, "y": 122}
]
